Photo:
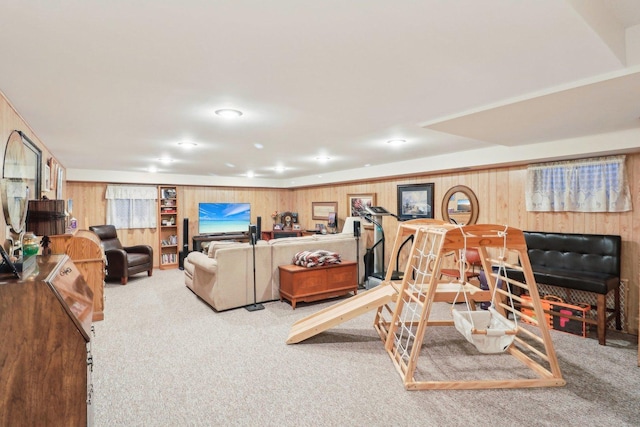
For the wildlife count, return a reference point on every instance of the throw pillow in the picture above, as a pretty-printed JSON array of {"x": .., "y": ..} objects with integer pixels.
[{"x": 316, "y": 258}]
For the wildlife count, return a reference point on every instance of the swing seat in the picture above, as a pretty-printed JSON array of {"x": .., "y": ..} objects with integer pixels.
[{"x": 489, "y": 331}]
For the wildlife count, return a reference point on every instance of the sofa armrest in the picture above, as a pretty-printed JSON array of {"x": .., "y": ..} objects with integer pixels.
[{"x": 200, "y": 260}]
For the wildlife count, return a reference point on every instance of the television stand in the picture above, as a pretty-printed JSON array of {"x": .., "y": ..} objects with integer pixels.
[{"x": 218, "y": 237}]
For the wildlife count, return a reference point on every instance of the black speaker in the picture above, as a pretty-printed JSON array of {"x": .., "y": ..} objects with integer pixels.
[
  {"x": 356, "y": 228},
  {"x": 253, "y": 234},
  {"x": 294, "y": 217},
  {"x": 259, "y": 228},
  {"x": 185, "y": 243}
]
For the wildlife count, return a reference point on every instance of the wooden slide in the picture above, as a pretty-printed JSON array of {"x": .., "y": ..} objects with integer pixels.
[{"x": 341, "y": 312}]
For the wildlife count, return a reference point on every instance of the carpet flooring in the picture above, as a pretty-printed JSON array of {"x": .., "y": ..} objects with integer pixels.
[{"x": 164, "y": 358}]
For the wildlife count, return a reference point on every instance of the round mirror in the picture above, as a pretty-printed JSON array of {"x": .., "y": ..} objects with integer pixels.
[
  {"x": 15, "y": 190},
  {"x": 460, "y": 206}
]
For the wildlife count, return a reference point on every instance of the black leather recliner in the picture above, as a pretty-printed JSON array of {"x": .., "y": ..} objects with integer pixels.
[{"x": 123, "y": 262}]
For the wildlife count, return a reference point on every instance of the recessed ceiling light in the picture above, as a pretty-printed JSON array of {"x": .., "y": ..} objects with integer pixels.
[
  {"x": 258, "y": 146},
  {"x": 323, "y": 158},
  {"x": 250, "y": 174},
  {"x": 165, "y": 160},
  {"x": 367, "y": 165},
  {"x": 279, "y": 169},
  {"x": 396, "y": 141},
  {"x": 187, "y": 144},
  {"x": 230, "y": 165},
  {"x": 153, "y": 169},
  {"x": 228, "y": 113}
]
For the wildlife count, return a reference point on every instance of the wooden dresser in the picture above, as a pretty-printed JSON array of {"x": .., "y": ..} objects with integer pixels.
[
  {"x": 84, "y": 248},
  {"x": 45, "y": 355},
  {"x": 316, "y": 283}
]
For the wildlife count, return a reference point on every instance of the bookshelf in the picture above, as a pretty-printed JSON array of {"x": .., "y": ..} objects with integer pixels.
[{"x": 168, "y": 226}]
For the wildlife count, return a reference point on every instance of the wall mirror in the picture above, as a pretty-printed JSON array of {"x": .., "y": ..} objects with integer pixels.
[
  {"x": 460, "y": 206},
  {"x": 21, "y": 177}
]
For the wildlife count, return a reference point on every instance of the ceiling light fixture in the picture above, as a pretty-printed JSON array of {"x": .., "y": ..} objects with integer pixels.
[
  {"x": 165, "y": 160},
  {"x": 396, "y": 141},
  {"x": 279, "y": 169},
  {"x": 258, "y": 146},
  {"x": 250, "y": 174},
  {"x": 153, "y": 169},
  {"x": 229, "y": 113},
  {"x": 323, "y": 159},
  {"x": 187, "y": 144},
  {"x": 230, "y": 165}
]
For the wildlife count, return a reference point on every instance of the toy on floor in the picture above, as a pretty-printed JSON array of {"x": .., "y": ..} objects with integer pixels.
[{"x": 403, "y": 309}]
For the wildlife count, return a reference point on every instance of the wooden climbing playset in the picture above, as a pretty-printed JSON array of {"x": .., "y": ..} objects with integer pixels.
[{"x": 403, "y": 309}]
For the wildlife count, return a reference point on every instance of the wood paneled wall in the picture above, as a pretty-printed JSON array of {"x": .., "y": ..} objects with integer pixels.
[
  {"x": 89, "y": 207},
  {"x": 500, "y": 193}
]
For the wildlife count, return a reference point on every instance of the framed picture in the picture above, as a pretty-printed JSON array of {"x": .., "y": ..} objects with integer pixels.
[
  {"x": 60, "y": 179},
  {"x": 357, "y": 203},
  {"x": 320, "y": 210},
  {"x": 415, "y": 201},
  {"x": 47, "y": 178}
]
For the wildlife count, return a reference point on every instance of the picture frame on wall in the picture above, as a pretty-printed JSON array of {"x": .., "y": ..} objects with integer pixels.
[
  {"x": 47, "y": 178},
  {"x": 415, "y": 201},
  {"x": 60, "y": 179},
  {"x": 356, "y": 203},
  {"x": 321, "y": 210}
]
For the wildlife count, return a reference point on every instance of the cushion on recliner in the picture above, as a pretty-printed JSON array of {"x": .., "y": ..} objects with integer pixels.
[
  {"x": 137, "y": 259},
  {"x": 108, "y": 236}
]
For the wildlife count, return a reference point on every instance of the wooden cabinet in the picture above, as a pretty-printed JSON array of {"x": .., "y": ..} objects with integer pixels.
[
  {"x": 315, "y": 283},
  {"x": 45, "y": 356},
  {"x": 168, "y": 227},
  {"x": 84, "y": 249}
]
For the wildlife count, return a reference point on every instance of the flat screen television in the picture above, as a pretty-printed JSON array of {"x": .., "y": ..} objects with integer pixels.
[{"x": 223, "y": 217}]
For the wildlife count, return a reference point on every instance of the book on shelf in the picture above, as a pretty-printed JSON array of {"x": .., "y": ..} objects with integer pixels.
[{"x": 169, "y": 258}]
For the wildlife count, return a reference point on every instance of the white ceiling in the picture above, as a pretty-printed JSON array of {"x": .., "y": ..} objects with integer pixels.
[{"x": 114, "y": 86}]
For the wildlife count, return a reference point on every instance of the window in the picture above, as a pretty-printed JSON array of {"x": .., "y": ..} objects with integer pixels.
[
  {"x": 588, "y": 185},
  {"x": 131, "y": 206}
]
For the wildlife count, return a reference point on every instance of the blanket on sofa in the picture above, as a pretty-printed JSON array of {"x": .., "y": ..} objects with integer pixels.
[{"x": 316, "y": 258}]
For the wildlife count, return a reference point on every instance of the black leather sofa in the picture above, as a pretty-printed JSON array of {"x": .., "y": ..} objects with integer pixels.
[{"x": 584, "y": 262}]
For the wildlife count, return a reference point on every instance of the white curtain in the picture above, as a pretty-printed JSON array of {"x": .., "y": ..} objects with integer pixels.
[
  {"x": 132, "y": 206},
  {"x": 589, "y": 185}
]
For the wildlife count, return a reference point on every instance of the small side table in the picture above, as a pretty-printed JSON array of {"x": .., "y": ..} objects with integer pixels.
[{"x": 310, "y": 284}]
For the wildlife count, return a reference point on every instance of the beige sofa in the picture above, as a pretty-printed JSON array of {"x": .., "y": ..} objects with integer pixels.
[{"x": 223, "y": 277}]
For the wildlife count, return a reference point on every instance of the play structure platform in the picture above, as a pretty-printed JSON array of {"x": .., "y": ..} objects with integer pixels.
[{"x": 403, "y": 308}]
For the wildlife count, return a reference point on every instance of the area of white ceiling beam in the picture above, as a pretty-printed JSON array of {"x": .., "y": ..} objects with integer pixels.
[
  {"x": 599, "y": 17},
  {"x": 633, "y": 45},
  {"x": 593, "y": 106}
]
